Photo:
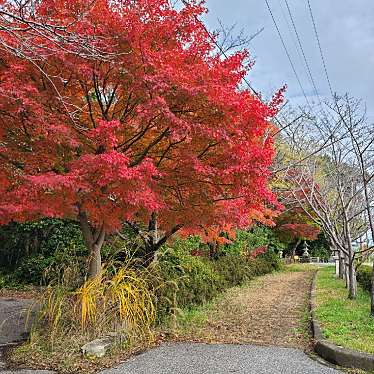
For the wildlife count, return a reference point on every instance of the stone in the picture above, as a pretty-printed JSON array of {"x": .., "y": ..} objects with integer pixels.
[{"x": 98, "y": 347}]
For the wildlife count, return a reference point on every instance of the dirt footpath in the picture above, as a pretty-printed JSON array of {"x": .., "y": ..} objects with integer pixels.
[{"x": 271, "y": 310}]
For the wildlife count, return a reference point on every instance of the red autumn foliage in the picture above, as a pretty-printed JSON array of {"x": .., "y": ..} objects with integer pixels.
[
  {"x": 258, "y": 251},
  {"x": 160, "y": 126},
  {"x": 295, "y": 224}
]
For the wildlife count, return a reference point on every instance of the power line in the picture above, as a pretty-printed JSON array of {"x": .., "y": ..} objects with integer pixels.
[
  {"x": 320, "y": 48},
  {"x": 302, "y": 51},
  {"x": 287, "y": 53},
  {"x": 255, "y": 92},
  {"x": 292, "y": 36}
]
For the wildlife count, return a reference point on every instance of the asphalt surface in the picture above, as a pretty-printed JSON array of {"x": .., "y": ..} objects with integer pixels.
[
  {"x": 13, "y": 328},
  {"x": 13, "y": 315},
  {"x": 194, "y": 358}
]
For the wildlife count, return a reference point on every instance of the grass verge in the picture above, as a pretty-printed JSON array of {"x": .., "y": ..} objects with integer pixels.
[{"x": 344, "y": 322}]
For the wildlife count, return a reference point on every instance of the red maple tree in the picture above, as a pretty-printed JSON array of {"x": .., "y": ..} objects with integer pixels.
[
  {"x": 122, "y": 111},
  {"x": 294, "y": 225}
]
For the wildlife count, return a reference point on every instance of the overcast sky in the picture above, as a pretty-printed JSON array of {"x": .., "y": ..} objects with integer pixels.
[{"x": 346, "y": 31}]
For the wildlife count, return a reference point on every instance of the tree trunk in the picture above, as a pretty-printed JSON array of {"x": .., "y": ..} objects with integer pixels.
[
  {"x": 341, "y": 265},
  {"x": 346, "y": 274},
  {"x": 294, "y": 249},
  {"x": 352, "y": 284},
  {"x": 352, "y": 289},
  {"x": 94, "y": 239},
  {"x": 213, "y": 249},
  {"x": 372, "y": 293},
  {"x": 153, "y": 238},
  {"x": 94, "y": 263}
]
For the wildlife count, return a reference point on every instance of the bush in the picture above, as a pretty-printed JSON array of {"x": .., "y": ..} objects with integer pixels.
[
  {"x": 233, "y": 270},
  {"x": 39, "y": 252},
  {"x": 185, "y": 281},
  {"x": 364, "y": 274},
  {"x": 272, "y": 259},
  {"x": 258, "y": 236}
]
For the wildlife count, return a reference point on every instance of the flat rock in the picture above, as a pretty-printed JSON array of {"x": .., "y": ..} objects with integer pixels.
[{"x": 98, "y": 347}]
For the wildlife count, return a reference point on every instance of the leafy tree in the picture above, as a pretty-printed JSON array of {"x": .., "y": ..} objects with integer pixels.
[
  {"x": 127, "y": 115},
  {"x": 293, "y": 226}
]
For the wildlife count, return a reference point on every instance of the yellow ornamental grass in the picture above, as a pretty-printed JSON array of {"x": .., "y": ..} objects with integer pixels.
[
  {"x": 88, "y": 297},
  {"x": 117, "y": 301}
]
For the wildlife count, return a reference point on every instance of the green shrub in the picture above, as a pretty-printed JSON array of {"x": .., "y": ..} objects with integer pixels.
[
  {"x": 258, "y": 236},
  {"x": 364, "y": 274},
  {"x": 185, "y": 280},
  {"x": 233, "y": 270},
  {"x": 7, "y": 281},
  {"x": 40, "y": 252},
  {"x": 272, "y": 259}
]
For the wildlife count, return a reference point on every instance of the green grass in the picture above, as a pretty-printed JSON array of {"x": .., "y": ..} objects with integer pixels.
[
  {"x": 345, "y": 322},
  {"x": 297, "y": 267}
]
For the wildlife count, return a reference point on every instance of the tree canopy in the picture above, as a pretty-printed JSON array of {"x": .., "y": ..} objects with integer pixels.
[{"x": 116, "y": 111}]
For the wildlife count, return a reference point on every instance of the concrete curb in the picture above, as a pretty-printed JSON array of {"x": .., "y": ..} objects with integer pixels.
[{"x": 333, "y": 353}]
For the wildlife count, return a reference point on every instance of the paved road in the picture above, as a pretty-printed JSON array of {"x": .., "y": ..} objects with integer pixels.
[
  {"x": 221, "y": 359},
  {"x": 13, "y": 313}
]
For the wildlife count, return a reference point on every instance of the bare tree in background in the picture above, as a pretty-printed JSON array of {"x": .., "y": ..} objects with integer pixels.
[
  {"x": 327, "y": 167},
  {"x": 361, "y": 135}
]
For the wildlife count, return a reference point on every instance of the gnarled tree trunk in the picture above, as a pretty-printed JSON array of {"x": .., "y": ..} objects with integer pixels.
[{"x": 153, "y": 238}]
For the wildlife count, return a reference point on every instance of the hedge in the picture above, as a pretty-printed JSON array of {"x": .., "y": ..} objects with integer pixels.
[{"x": 364, "y": 275}]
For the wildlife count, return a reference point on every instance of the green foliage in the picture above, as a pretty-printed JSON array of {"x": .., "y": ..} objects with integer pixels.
[
  {"x": 320, "y": 247},
  {"x": 186, "y": 280},
  {"x": 41, "y": 251},
  {"x": 7, "y": 281},
  {"x": 258, "y": 236},
  {"x": 271, "y": 259},
  {"x": 364, "y": 275},
  {"x": 233, "y": 270}
]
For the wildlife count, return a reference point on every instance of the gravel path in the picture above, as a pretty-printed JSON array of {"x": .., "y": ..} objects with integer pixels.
[
  {"x": 188, "y": 358},
  {"x": 269, "y": 312}
]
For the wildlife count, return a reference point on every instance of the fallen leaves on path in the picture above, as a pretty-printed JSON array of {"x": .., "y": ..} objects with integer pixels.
[{"x": 271, "y": 310}]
